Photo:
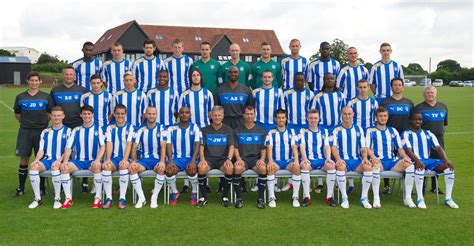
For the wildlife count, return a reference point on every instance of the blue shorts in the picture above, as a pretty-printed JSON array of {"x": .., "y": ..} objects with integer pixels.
[
  {"x": 47, "y": 163},
  {"x": 388, "y": 164},
  {"x": 431, "y": 164},
  {"x": 297, "y": 128},
  {"x": 182, "y": 163},
  {"x": 283, "y": 164},
  {"x": 352, "y": 164},
  {"x": 116, "y": 161},
  {"x": 148, "y": 163},
  {"x": 317, "y": 164},
  {"x": 266, "y": 127},
  {"x": 82, "y": 165}
]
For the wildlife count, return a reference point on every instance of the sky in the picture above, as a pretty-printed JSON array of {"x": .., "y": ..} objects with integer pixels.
[{"x": 417, "y": 30}]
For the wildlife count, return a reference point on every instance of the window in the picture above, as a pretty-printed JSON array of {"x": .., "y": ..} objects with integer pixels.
[
  {"x": 245, "y": 40},
  {"x": 197, "y": 57},
  {"x": 248, "y": 58},
  {"x": 198, "y": 38},
  {"x": 158, "y": 37},
  {"x": 109, "y": 36}
]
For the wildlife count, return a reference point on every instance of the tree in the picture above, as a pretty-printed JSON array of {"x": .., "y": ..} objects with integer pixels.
[
  {"x": 48, "y": 59},
  {"x": 338, "y": 51},
  {"x": 368, "y": 65},
  {"x": 414, "y": 69},
  {"x": 6, "y": 53},
  {"x": 450, "y": 65}
]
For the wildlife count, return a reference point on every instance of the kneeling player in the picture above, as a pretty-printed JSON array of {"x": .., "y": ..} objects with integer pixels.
[
  {"x": 316, "y": 154},
  {"x": 383, "y": 140},
  {"x": 350, "y": 153},
  {"x": 182, "y": 149},
  {"x": 52, "y": 143},
  {"x": 282, "y": 153},
  {"x": 88, "y": 143},
  {"x": 119, "y": 138},
  {"x": 152, "y": 141},
  {"x": 250, "y": 153},
  {"x": 418, "y": 145}
]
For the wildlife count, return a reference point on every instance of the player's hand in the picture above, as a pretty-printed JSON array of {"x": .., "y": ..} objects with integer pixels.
[
  {"x": 305, "y": 161},
  {"x": 228, "y": 162},
  {"x": 239, "y": 162},
  {"x": 407, "y": 160},
  {"x": 375, "y": 162},
  {"x": 340, "y": 163},
  {"x": 192, "y": 167},
  {"x": 202, "y": 163},
  {"x": 271, "y": 167},
  {"x": 171, "y": 167},
  {"x": 449, "y": 164},
  {"x": 329, "y": 162},
  {"x": 124, "y": 164},
  {"x": 261, "y": 162},
  {"x": 419, "y": 165}
]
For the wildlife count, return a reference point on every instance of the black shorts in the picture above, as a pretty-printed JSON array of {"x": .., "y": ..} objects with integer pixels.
[
  {"x": 28, "y": 138},
  {"x": 215, "y": 163},
  {"x": 250, "y": 162}
]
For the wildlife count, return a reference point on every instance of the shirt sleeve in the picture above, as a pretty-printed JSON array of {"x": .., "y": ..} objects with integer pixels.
[
  {"x": 108, "y": 134},
  {"x": 398, "y": 140},
  {"x": 434, "y": 140},
  {"x": 70, "y": 140},
  {"x": 42, "y": 137},
  {"x": 406, "y": 140},
  {"x": 16, "y": 106},
  {"x": 101, "y": 137}
]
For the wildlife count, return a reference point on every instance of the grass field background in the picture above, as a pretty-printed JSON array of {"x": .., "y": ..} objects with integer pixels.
[{"x": 213, "y": 224}]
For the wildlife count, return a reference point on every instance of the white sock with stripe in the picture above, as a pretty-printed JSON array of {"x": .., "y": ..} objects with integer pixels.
[
  {"x": 341, "y": 182},
  {"x": 171, "y": 182},
  {"x": 137, "y": 185},
  {"x": 159, "y": 181},
  {"x": 296, "y": 181},
  {"x": 330, "y": 181},
  {"x": 66, "y": 183},
  {"x": 306, "y": 181},
  {"x": 366, "y": 183},
  {"x": 56, "y": 178},
  {"x": 409, "y": 179},
  {"x": 98, "y": 185},
  {"x": 194, "y": 183},
  {"x": 123, "y": 182},
  {"x": 35, "y": 183},
  {"x": 271, "y": 186},
  {"x": 376, "y": 183},
  {"x": 449, "y": 181}
]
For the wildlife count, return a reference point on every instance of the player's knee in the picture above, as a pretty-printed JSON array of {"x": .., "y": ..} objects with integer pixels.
[{"x": 305, "y": 166}]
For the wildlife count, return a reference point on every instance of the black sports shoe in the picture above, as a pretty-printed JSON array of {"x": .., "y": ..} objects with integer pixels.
[
  {"x": 185, "y": 189},
  {"x": 330, "y": 201},
  {"x": 19, "y": 192},
  {"x": 306, "y": 202},
  {"x": 226, "y": 202},
  {"x": 85, "y": 188},
  {"x": 260, "y": 203},
  {"x": 440, "y": 192},
  {"x": 387, "y": 190},
  {"x": 239, "y": 203},
  {"x": 201, "y": 202}
]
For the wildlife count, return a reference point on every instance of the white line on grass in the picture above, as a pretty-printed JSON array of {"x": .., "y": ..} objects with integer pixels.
[{"x": 6, "y": 105}]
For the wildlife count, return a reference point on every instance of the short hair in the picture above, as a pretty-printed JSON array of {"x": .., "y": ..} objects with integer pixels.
[
  {"x": 120, "y": 106},
  {"x": 128, "y": 73},
  {"x": 33, "y": 74},
  {"x": 69, "y": 67},
  {"x": 205, "y": 43},
  {"x": 363, "y": 81},
  {"x": 267, "y": 71},
  {"x": 57, "y": 108},
  {"x": 385, "y": 44},
  {"x": 313, "y": 111},
  {"x": 298, "y": 74},
  {"x": 380, "y": 109},
  {"x": 395, "y": 79},
  {"x": 412, "y": 114},
  {"x": 117, "y": 44},
  {"x": 87, "y": 108},
  {"x": 430, "y": 87},
  {"x": 281, "y": 111},
  {"x": 217, "y": 108},
  {"x": 177, "y": 41},
  {"x": 294, "y": 40},
  {"x": 264, "y": 43},
  {"x": 250, "y": 108},
  {"x": 149, "y": 41},
  {"x": 88, "y": 43},
  {"x": 324, "y": 43},
  {"x": 95, "y": 76},
  {"x": 163, "y": 71}
]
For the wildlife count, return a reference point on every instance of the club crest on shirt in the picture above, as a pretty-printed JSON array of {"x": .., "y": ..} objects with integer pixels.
[
  {"x": 76, "y": 97},
  {"x": 96, "y": 133},
  {"x": 273, "y": 66},
  {"x": 241, "y": 68},
  {"x": 211, "y": 66}
]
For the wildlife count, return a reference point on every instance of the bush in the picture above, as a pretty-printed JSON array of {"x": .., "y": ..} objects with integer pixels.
[{"x": 52, "y": 67}]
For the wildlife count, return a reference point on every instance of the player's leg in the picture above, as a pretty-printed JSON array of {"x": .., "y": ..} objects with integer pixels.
[
  {"x": 160, "y": 169},
  {"x": 135, "y": 168},
  {"x": 124, "y": 178},
  {"x": 341, "y": 182},
  {"x": 272, "y": 168},
  {"x": 449, "y": 182},
  {"x": 295, "y": 169},
  {"x": 107, "y": 169},
  {"x": 171, "y": 172},
  {"x": 330, "y": 168},
  {"x": 367, "y": 177},
  {"x": 239, "y": 168},
  {"x": 35, "y": 169},
  {"x": 261, "y": 169},
  {"x": 23, "y": 150},
  {"x": 191, "y": 171},
  {"x": 56, "y": 178},
  {"x": 376, "y": 169},
  {"x": 228, "y": 169},
  {"x": 305, "y": 182},
  {"x": 410, "y": 177},
  {"x": 203, "y": 169},
  {"x": 66, "y": 170},
  {"x": 96, "y": 168}
]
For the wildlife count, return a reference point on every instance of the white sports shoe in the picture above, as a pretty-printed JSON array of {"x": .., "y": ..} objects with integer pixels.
[
  {"x": 345, "y": 203},
  {"x": 421, "y": 203},
  {"x": 296, "y": 203},
  {"x": 451, "y": 203},
  {"x": 140, "y": 203},
  {"x": 57, "y": 204},
  {"x": 376, "y": 203},
  {"x": 35, "y": 204},
  {"x": 153, "y": 204},
  {"x": 286, "y": 187},
  {"x": 409, "y": 203},
  {"x": 277, "y": 189},
  {"x": 255, "y": 188},
  {"x": 272, "y": 203},
  {"x": 365, "y": 203}
]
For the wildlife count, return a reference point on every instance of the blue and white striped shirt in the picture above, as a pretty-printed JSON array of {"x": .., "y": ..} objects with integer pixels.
[
  {"x": 113, "y": 74},
  {"x": 364, "y": 111},
  {"x": 349, "y": 142},
  {"x": 200, "y": 103},
  {"x": 314, "y": 142},
  {"x": 318, "y": 68},
  {"x": 149, "y": 140},
  {"x": 136, "y": 103},
  {"x": 86, "y": 142},
  {"x": 420, "y": 142},
  {"x": 329, "y": 105},
  {"x": 182, "y": 140},
  {"x": 348, "y": 79},
  {"x": 267, "y": 101},
  {"x": 119, "y": 136},
  {"x": 101, "y": 104},
  {"x": 178, "y": 71},
  {"x": 383, "y": 142},
  {"x": 166, "y": 103},
  {"x": 290, "y": 67},
  {"x": 297, "y": 104},
  {"x": 380, "y": 76},
  {"x": 53, "y": 142},
  {"x": 84, "y": 71},
  {"x": 146, "y": 72},
  {"x": 281, "y": 142}
]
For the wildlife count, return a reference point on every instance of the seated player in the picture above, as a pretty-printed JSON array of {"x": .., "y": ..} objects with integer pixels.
[
  {"x": 250, "y": 153},
  {"x": 418, "y": 145},
  {"x": 87, "y": 142},
  {"x": 315, "y": 153},
  {"x": 351, "y": 154},
  {"x": 216, "y": 152},
  {"x": 100, "y": 100},
  {"x": 52, "y": 144},
  {"x": 152, "y": 141},
  {"x": 118, "y": 143},
  {"x": 282, "y": 153},
  {"x": 383, "y": 141},
  {"x": 182, "y": 149}
]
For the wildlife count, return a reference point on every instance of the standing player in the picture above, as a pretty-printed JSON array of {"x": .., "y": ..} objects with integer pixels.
[
  {"x": 293, "y": 64},
  {"x": 435, "y": 118},
  {"x": 234, "y": 97},
  {"x": 315, "y": 152},
  {"x": 363, "y": 106},
  {"x": 119, "y": 139},
  {"x": 282, "y": 153},
  {"x": 242, "y": 67},
  {"x": 216, "y": 152},
  {"x": 134, "y": 99},
  {"x": 399, "y": 110},
  {"x": 100, "y": 100},
  {"x": 208, "y": 67},
  {"x": 383, "y": 140},
  {"x": 265, "y": 63},
  {"x": 250, "y": 153},
  {"x": 351, "y": 74},
  {"x": 87, "y": 66},
  {"x": 87, "y": 142},
  {"x": 383, "y": 72},
  {"x": 182, "y": 149},
  {"x": 351, "y": 154},
  {"x": 51, "y": 148},
  {"x": 164, "y": 99},
  {"x": 198, "y": 99},
  {"x": 178, "y": 66},
  {"x": 267, "y": 100},
  {"x": 115, "y": 69},
  {"x": 151, "y": 138},
  {"x": 147, "y": 67},
  {"x": 32, "y": 109},
  {"x": 321, "y": 66},
  {"x": 297, "y": 102},
  {"x": 418, "y": 144}
]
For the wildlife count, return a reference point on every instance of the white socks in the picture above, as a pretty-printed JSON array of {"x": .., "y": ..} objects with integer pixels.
[
  {"x": 271, "y": 185},
  {"x": 171, "y": 182},
  {"x": 341, "y": 182},
  {"x": 419, "y": 178},
  {"x": 296, "y": 181},
  {"x": 56, "y": 177},
  {"x": 35, "y": 183},
  {"x": 107, "y": 183},
  {"x": 330, "y": 181},
  {"x": 186, "y": 181},
  {"x": 449, "y": 181},
  {"x": 98, "y": 185},
  {"x": 123, "y": 182},
  {"x": 305, "y": 180},
  {"x": 409, "y": 179},
  {"x": 376, "y": 183},
  {"x": 194, "y": 183},
  {"x": 137, "y": 185},
  {"x": 66, "y": 182},
  {"x": 351, "y": 182},
  {"x": 366, "y": 182},
  {"x": 159, "y": 181}
]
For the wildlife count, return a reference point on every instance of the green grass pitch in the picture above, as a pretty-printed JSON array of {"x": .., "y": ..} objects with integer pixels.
[{"x": 184, "y": 224}]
